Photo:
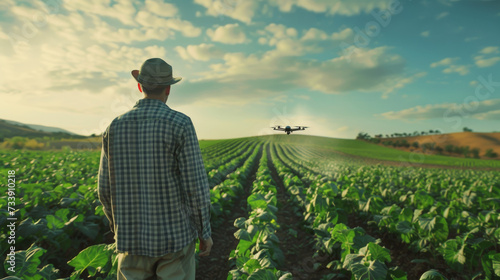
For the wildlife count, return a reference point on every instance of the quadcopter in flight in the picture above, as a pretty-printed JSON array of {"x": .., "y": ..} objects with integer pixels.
[{"x": 288, "y": 129}]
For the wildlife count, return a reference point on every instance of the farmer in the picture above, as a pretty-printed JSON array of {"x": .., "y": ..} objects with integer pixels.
[{"x": 153, "y": 184}]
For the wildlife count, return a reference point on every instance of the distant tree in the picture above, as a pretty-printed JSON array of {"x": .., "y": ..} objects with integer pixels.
[
  {"x": 437, "y": 131},
  {"x": 423, "y": 133},
  {"x": 490, "y": 153},
  {"x": 416, "y": 133},
  {"x": 449, "y": 148},
  {"x": 439, "y": 150},
  {"x": 428, "y": 146},
  {"x": 387, "y": 136},
  {"x": 431, "y": 131},
  {"x": 405, "y": 143},
  {"x": 415, "y": 144},
  {"x": 363, "y": 136},
  {"x": 466, "y": 129},
  {"x": 475, "y": 152},
  {"x": 466, "y": 151}
]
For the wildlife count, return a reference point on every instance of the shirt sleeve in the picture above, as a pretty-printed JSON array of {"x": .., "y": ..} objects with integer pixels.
[
  {"x": 194, "y": 180},
  {"x": 103, "y": 183}
]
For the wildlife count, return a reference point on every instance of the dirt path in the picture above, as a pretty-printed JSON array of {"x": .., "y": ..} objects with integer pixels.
[
  {"x": 216, "y": 266},
  {"x": 297, "y": 243}
]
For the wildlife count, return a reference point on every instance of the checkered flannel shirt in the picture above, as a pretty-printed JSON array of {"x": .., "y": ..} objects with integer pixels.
[{"x": 152, "y": 181}]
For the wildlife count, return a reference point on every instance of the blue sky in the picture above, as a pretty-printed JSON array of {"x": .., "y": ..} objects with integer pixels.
[{"x": 339, "y": 67}]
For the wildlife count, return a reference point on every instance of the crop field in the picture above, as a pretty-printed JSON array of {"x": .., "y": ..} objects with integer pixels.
[{"x": 283, "y": 207}]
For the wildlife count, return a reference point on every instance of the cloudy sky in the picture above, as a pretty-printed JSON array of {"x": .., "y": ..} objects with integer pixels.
[{"x": 338, "y": 66}]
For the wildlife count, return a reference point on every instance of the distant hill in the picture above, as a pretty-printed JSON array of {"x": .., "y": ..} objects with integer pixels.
[
  {"x": 9, "y": 129},
  {"x": 478, "y": 140}
]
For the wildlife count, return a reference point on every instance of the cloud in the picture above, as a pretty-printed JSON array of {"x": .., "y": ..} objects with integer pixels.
[
  {"x": 147, "y": 19},
  {"x": 370, "y": 70},
  {"x": 342, "y": 7},
  {"x": 287, "y": 41},
  {"x": 485, "y": 58},
  {"x": 245, "y": 10},
  {"x": 122, "y": 10},
  {"x": 492, "y": 115},
  {"x": 203, "y": 52},
  {"x": 242, "y": 10},
  {"x": 490, "y": 50},
  {"x": 401, "y": 82},
  {"x": 444, "y": 62},
  {"x": 451, "y": 68},
  {"x": 425, "y": 33},
  {"x": 470, "y": 39},
  {"x": 161, "y": 8},
  {"x": 460, "y": 69},
  {"x": 228, "y": 34},
  {"x": 442, "y": 15},
  {"x": 486, "y": 109},
  {"x": 486, "y": 62}
]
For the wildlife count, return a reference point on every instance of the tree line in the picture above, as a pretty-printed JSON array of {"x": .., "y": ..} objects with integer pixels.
[{"x": 449, "y": 149}]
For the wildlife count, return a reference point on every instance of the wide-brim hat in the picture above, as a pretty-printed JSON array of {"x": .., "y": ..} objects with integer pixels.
[{"x": 155, "y": 72}]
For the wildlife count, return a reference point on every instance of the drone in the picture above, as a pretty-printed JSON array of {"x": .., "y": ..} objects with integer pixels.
[{"x": 287, "y": 129}]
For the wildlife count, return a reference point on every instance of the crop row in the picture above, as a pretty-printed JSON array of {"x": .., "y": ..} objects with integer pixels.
[
  {"x": 356, "y": 252},
  {"x": 258, "y": 255},
  {"x": 217, "y": 175},
  {"x": 222, "y": 152},
  {"x": 423, "y": 207}
]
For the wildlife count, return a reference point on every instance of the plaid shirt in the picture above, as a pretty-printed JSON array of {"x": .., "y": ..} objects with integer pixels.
[{"x": 152, "y": 181}]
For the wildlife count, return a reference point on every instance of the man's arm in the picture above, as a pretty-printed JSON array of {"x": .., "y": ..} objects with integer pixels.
[
  {"x": 103, "y": 183},
  {"x": 195, "y": 181}
]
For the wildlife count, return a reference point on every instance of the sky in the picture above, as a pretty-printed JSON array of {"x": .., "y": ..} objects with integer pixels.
[{"x": 339, "y": 67}]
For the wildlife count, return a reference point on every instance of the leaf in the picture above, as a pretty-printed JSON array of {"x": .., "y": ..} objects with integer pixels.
[
  {"x": 49, "y": 272},
  {"x": 286, "y": 276},
  {"x": 440, "y": 231},
  {"x": 377, "y": 252},
  {"x": 243, "y": 246},
  {"x": 406, "y": 215},
  {"x": 54, "y": 222},
  {"x": 491, "y": 264},
  {"x": 427, "y": 224},
  {"x": 92, "y": 259},
  {"x": 397, "y": 273},
  {"x": 251, "y": 265},
  {"x": 432, "y": 275},
  {"x": 404, "y": 227},
  {"x": 352, "y": 259},
  {"x": 257, "y": 200},
  {"x": 375, "y": 270},
  {"x": 453, "y": 253},
  {"x": 27, "y": 261},
  {"x": 242, "y": 234},
  {"x": 262, "y": 274},
  {"x": 88, "y": 229}
]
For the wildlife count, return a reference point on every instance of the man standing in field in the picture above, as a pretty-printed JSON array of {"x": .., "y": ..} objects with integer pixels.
[{"x": 153, "y": 185}]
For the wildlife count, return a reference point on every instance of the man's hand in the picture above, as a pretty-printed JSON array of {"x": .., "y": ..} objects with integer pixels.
[{"x": 205, "y": 247}]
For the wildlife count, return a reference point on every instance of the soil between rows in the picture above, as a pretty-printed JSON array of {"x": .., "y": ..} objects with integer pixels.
[{"x": 216, "y": 266}]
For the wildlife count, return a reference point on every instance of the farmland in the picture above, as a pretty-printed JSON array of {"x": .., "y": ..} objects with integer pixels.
[{"x": 283, "y": 207}]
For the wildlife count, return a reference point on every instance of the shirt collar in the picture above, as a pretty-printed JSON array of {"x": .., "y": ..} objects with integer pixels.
[{"x": 149, "y": 102}]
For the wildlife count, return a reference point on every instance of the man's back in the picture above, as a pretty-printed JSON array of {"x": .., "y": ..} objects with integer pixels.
[{"x": 146, "y": 150}]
